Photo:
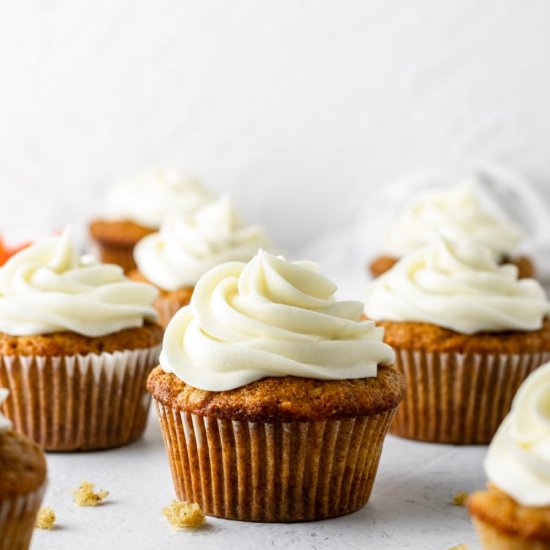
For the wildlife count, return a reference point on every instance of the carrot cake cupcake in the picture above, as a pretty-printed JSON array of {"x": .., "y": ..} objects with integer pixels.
[
  {"x": 136, "y": 208},
  {"x": 466, "y": 331},
  {"x": 274, "y": 398},
  {"x": 514, "y": 512},
  {"x": 187, "y": 246},
  {"x": 22, "y": 485},
  {"x": 77, "y": 342},
  {"x": 458, "y": 214}
]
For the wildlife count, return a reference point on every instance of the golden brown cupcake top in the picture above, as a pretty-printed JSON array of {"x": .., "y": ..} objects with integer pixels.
[
  {"x": 22, "y": 465},
  {"x": 496, "y": 508},
  {"x": 284, "y": 399},
  {"x": 119, "y": 232},
  {"x": 181, "y": 295},
  {"x": 69, "y": 343}
]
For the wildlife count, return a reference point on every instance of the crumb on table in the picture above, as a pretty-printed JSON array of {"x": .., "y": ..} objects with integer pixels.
[
  {"x": 45, "y": 518},
  {"x": 460, "y": 498},
  {"x": 183, "y": 514},
  {"x": 86, "y": 496},
  {"x": 460, "y": 547}
]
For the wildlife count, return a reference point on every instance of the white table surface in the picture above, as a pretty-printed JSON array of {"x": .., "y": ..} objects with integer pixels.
[{"x": 410, "y": 507}]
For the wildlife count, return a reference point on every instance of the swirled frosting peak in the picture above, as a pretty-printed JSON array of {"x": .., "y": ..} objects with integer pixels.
[
  {"x": 458, "y": 286},
  {"x": 146, "y": 199},
  {"x": 188, "y": 246},
  {"x": 518, "y": 461},
  {"x": 48, "y": 287},
  {"x": 267, "y": 318},
  {"x": 458, "y": 214},
  {"x": 5, "y": 424}
]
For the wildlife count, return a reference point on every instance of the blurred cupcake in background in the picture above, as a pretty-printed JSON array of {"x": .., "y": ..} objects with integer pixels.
[
  {"x": 22, "y": 484},
  {"x": 459, "y": 214},
  {"x": 137, "y": 207},
  {"x": 187, "y": 246},
  {"x": 466, "y": 332},
  {"x": 6, "y": 251},
  {"x": 514, "y": 512},
  {"x": 77, "y": 342}
]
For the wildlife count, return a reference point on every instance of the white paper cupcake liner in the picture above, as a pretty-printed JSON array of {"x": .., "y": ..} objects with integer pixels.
[
  {"x": 459, "y": 398},
  {"x": 79, "y": 402}
]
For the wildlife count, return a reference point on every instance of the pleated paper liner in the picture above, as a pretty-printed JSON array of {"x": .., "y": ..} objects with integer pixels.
[
  {"x": 119, "y": 255},
  {"x": 79, "y": 402},
  {"x": 459, "y": 398},
  {"x": 17, "y": 518},
  {"x": 273, "y": 472}
]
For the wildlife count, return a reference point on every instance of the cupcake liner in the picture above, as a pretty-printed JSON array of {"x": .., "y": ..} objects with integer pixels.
[
  {"x": 17, "y": 518},
  {"x": 459, "y": 398},
  {"x": 79, "y": 402},
  {"x": 494, "y": 539},
  {"x": 273, "y": 472},
  {"x": 119, "y": 255}
]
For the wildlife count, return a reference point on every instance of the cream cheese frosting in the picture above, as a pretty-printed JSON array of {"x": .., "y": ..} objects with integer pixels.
[
  {"x": 147, "y": 198},
  {"x": 189, "y": 245},
  {"x": 458, "y": 214},
  {"x": 48, "y": 287},
  {"x": 270, "y": 317},
  {"x": 5, "y": 424},
  {"x": 458, "y": 286},
  {"x": 518, "y": 460}
]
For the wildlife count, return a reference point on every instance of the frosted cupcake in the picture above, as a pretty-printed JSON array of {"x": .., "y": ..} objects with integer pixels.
[
  {"x": 466, "y": 331},
  {"x": 22, "y": 485},
  {"x": 274, "y": 398},
  {"x": 77, "y": 341},
  {"x": 458, "y": 214},
  {"x": 136, "y": 208},
  {"x": 514, "y": 512},
  {"x": 187, "y": 247}
]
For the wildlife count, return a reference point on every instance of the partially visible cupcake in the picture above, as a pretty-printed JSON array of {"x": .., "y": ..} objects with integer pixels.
[
  {"x": 22, "y": 485},
  {"x": 77, "y": 342},
  {"x": 187, "y": 246},
  {"x": 514, "y": 512},
  {"x": 137, "y": 207},
  {"x": 459, "y": 214},
  {"x": 274, "y": 398},
  {"x": 466, "y": 331}
]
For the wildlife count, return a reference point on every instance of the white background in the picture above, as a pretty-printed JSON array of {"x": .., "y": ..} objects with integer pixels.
[{"x": 302, "y": 110}]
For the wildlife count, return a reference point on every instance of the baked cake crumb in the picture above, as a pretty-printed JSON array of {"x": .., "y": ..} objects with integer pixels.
[
  {"x": 45, "y": 518},
  {"x": 460, "y": 498},
  {"x": 86, "y": 496},
  {"x": 183, "y": 514},
  {"x": 460, "y": 547}
]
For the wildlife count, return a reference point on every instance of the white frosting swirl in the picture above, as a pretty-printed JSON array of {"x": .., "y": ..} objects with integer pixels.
[
  {"x": 458, "y": 286},
  {"x": 188, "y": 246},
  {"x": 5, "y": 424},
  {"x": 266, "y": 318},
  {"x": 458, "y": 214},
  {"x": 48, "y": 288},
  {"x": 518, "y": 461},
  {"x": 146, "y": 199}
]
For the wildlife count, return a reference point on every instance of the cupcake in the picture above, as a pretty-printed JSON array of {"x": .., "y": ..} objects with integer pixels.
[
  {"x": 136, "y": 208},
  {"x": 514, "y": 512},
  {"x": 77, "y": 342},
  {"x": 22, "y": 485},
  {"x": 187, "y": 246},
  {"x": 274, "y": 398},
  {"x": 466, "y": 332},
  {"x": 458, "y": 214}
]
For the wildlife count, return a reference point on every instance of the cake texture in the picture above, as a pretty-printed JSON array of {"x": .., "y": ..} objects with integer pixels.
[
  {"x": 270, "y": 429},
  {"x": 76, "y": 347},
  {"x": 466, "y": 333}
]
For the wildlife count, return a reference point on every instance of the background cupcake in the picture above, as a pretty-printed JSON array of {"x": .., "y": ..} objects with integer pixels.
[
  {"x": 77, "y": 341},
  {"x": 459, "y": 214},
  {"x": 274, "y": 398},
  {"x": 136, "y": 208},
  {"x": 514, "y": 513},
  {"x": 187, "y": 246},
  {"x": 466, "y": 331},
  {"x": 22, "y": 485}
]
